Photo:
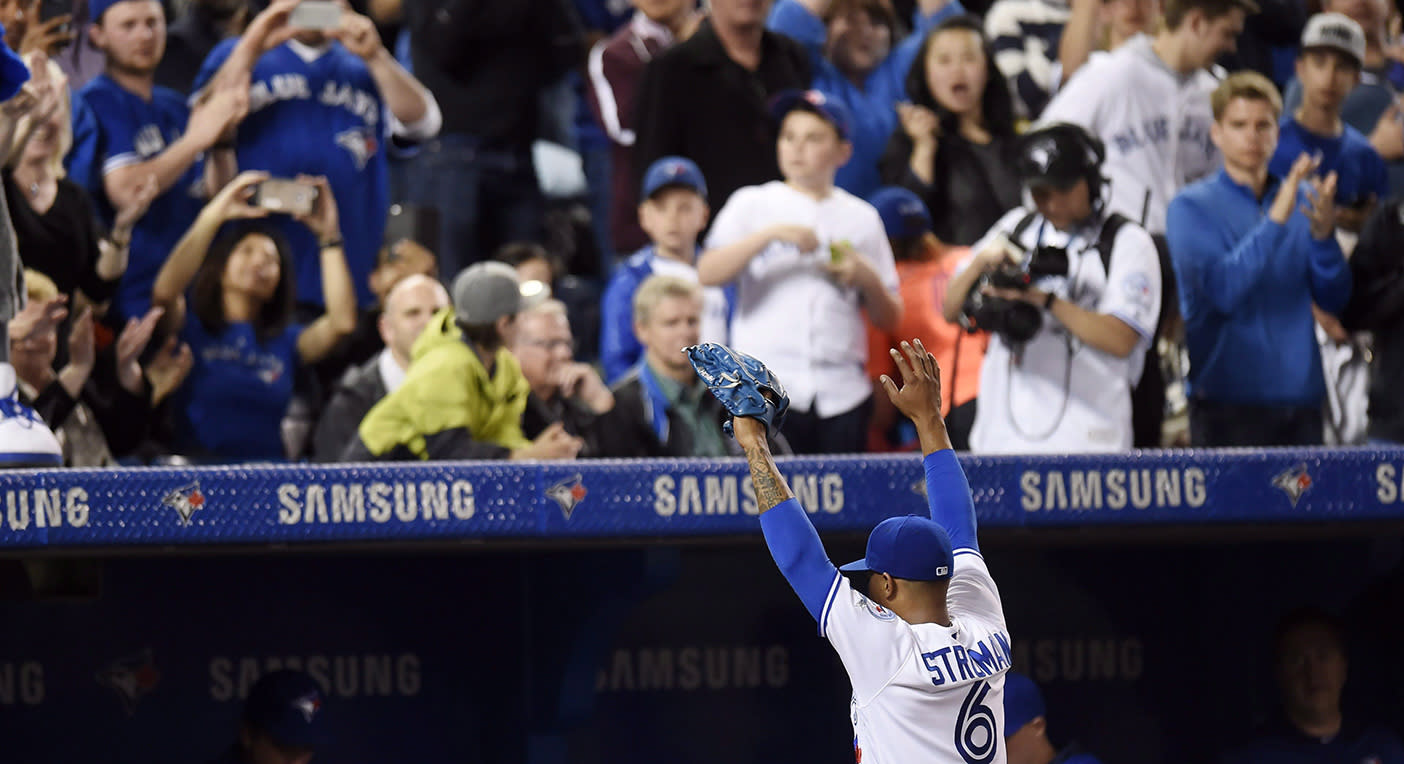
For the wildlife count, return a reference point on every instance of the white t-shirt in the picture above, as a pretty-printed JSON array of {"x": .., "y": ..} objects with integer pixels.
[
  {"x": 925, "y": 692},
  {"x": 1154, "y": 122},
  {"x": 1060, "y": 395},
  {"x": 789, "y": 313}
]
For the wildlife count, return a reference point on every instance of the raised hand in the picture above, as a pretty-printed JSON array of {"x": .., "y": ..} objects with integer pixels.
[
  {"x": 232, "y": 201},
  {"x": 168, "y": 369},
  {"x": 216, "y": 113},
  {"x": 81, "y": 352},
  {"x": 38, "y": 317},
  {"x": 47, "y": 37},
  {"x": 358, "y": 34},
  {"x": 130, "y": 344},
  {"x": 919, "y": 123},
  {"x": 130, "y": 213},
  {"x": 1281, "y": 209},
  {"x": 323, "y": 220},
  {"x": 919, "y": 397},
  {"x": 1320, "y": 208}
]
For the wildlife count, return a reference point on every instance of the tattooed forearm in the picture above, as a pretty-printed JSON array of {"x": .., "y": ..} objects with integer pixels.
[{"x": 765, "y": 476}]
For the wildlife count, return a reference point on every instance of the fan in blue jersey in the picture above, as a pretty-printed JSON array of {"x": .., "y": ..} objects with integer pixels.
[
  {"x": 324, "y": 103},
  {"x": 239, "y": 322},
  {"x": 918, "y": 622},
  {"x": 128, "y": 134}
]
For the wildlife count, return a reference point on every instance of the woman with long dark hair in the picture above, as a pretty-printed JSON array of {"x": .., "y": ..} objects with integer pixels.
[
  {"x": 239, "y": 320},
  {"x": 957, "y": 143}
]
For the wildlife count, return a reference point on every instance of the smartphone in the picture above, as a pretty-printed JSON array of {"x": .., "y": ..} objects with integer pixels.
[
  {"x": 316, "y": 14},
  {"x": 286, "y": 196},
  {"x": 49, "y": 9},
  {"x": 409, "y": 222}
]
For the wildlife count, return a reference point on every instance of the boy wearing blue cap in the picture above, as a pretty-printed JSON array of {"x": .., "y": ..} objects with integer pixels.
[
  {"x": 1026, "y": 727},
  {"x": 673, "y": 211},
  {"x": 810, "y": 257},
  {"x": 918, "y": 622},
  {"x": 134, "y": 140},
  {"x": 283, "y": 721}
]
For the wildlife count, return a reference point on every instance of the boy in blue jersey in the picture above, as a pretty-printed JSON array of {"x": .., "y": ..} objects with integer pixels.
[
  {"x": 918, "y": 622},
  {"x": 323, "y": 103},
  {"x": 673, "y": 212},
  {"x": 129, "y": 134},
  {"x": 1333, "y": 52},
  {"x": 1251, "y": 256}
]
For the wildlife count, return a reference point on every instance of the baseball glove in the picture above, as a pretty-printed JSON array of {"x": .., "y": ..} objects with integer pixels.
[{"x": 742, "y": 384}]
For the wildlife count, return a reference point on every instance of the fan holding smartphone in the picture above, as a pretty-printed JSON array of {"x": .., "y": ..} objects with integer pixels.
[{"x": 333, "y": 81}]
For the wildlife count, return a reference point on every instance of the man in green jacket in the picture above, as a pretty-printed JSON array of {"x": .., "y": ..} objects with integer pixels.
[{"x": 464, "y": 394}]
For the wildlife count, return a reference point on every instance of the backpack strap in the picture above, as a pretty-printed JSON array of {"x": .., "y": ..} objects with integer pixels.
[
  {"x": 1023, "y": 225},
  {"x": 1106, "y": 240}
]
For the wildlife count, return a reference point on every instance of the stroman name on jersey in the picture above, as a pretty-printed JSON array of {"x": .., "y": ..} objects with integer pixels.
[
  {"x": 294, "y": 87},
  {"x": 959, "y": 664}
]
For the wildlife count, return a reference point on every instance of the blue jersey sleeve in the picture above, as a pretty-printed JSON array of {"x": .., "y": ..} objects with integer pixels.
[
  {"x": 795, "y": 21},
  {"x": 620, "y": 350},
  {"x": 797, "y": 551},
  {"x": 948, "y": 495},
  {"x": 84, "y": 158},
  {"x": 212, "y": 63}
]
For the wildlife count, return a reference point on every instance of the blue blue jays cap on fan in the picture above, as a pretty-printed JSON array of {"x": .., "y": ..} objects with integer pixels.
[
  {"x": 1022, "y": 702},
  {"x": 903, "y": 213},
  {"x": 98, "y": 7},
  {"x": 288, "y": 706},
  {"x": 13, "y": 72},
  {"x": 912, "y": 547},
  {"x": 670, "y": 172},
  {"x": 831, "y": 109}
]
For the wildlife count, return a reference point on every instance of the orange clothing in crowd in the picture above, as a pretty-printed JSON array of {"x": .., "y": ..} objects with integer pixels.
[{"x": 923, "y": 288}]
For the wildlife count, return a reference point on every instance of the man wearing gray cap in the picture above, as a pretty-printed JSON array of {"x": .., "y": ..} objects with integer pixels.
[
  {"x": 1329, "y": 68},
  {"x": 464, "y": 394}
]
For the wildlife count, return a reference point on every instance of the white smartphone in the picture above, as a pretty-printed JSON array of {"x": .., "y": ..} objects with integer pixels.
[{"x": 316, "y": 14}]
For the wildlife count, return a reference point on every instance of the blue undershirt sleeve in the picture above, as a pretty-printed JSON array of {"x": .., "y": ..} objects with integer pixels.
[
  {"x": 798, "y": 552},
  {"x": 948, "y": 494}
]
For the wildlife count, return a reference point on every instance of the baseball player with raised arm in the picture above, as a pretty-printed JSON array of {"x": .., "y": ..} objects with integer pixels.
[{"x": 917, "y": 622}]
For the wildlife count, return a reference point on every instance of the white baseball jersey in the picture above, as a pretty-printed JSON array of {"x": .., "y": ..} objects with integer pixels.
[
  {"x": 925, "y": 692},
  {"x": 1154, "y": 122},
  {"x": 789, "y": 311},
  {"x": 1060, "y": 395}
]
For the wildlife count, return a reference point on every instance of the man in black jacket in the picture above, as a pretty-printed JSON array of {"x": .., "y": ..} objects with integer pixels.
[
  {"x": 486, "y": 62},
  {"x": 706, "y": 98},
  {"x": 562, "y": 389},
  {"x": 408, "y": 308},
  {"x": 1377, "y": 305}
]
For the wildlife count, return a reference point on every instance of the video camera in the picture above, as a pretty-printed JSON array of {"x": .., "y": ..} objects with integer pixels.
[{"x": 1014, "y": 320}]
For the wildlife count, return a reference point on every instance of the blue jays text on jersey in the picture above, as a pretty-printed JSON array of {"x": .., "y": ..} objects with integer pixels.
[
  {"x": 319, "y": 112},
  {"x": 1155, "y": 132}
]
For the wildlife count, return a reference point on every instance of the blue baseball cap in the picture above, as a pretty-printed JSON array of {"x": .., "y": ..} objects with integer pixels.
[
  {"x": 817, "y": 101},
  {"x": 673, "y": 172},
  {"x": 288, "y": 706},
  {"x": 912, "y": 547},
  {"x": 13, "y": 72},
  {"x": 903, "y": 213},
  {"x": 1022, "y": 702}
]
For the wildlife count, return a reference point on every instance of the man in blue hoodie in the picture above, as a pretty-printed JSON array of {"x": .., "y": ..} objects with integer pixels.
[{"x": 1251, "y": 255}]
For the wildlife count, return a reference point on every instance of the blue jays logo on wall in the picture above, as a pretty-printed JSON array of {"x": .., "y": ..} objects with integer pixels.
[
  {"x": 360, "y": 143},
  {"x": 308, "y": 705},
  {"x": 185, "y": 500},
  {"x": 568, "y": 494},
  {"x": 1294, "y": 482},
  {"x": 131, "y": 678}
]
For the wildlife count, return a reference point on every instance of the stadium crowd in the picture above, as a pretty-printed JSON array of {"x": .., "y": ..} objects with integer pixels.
[{"x": 471, "y": 229}]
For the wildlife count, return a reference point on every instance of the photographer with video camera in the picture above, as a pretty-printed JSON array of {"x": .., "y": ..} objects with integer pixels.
[{"x": 1070, "y": 294}]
